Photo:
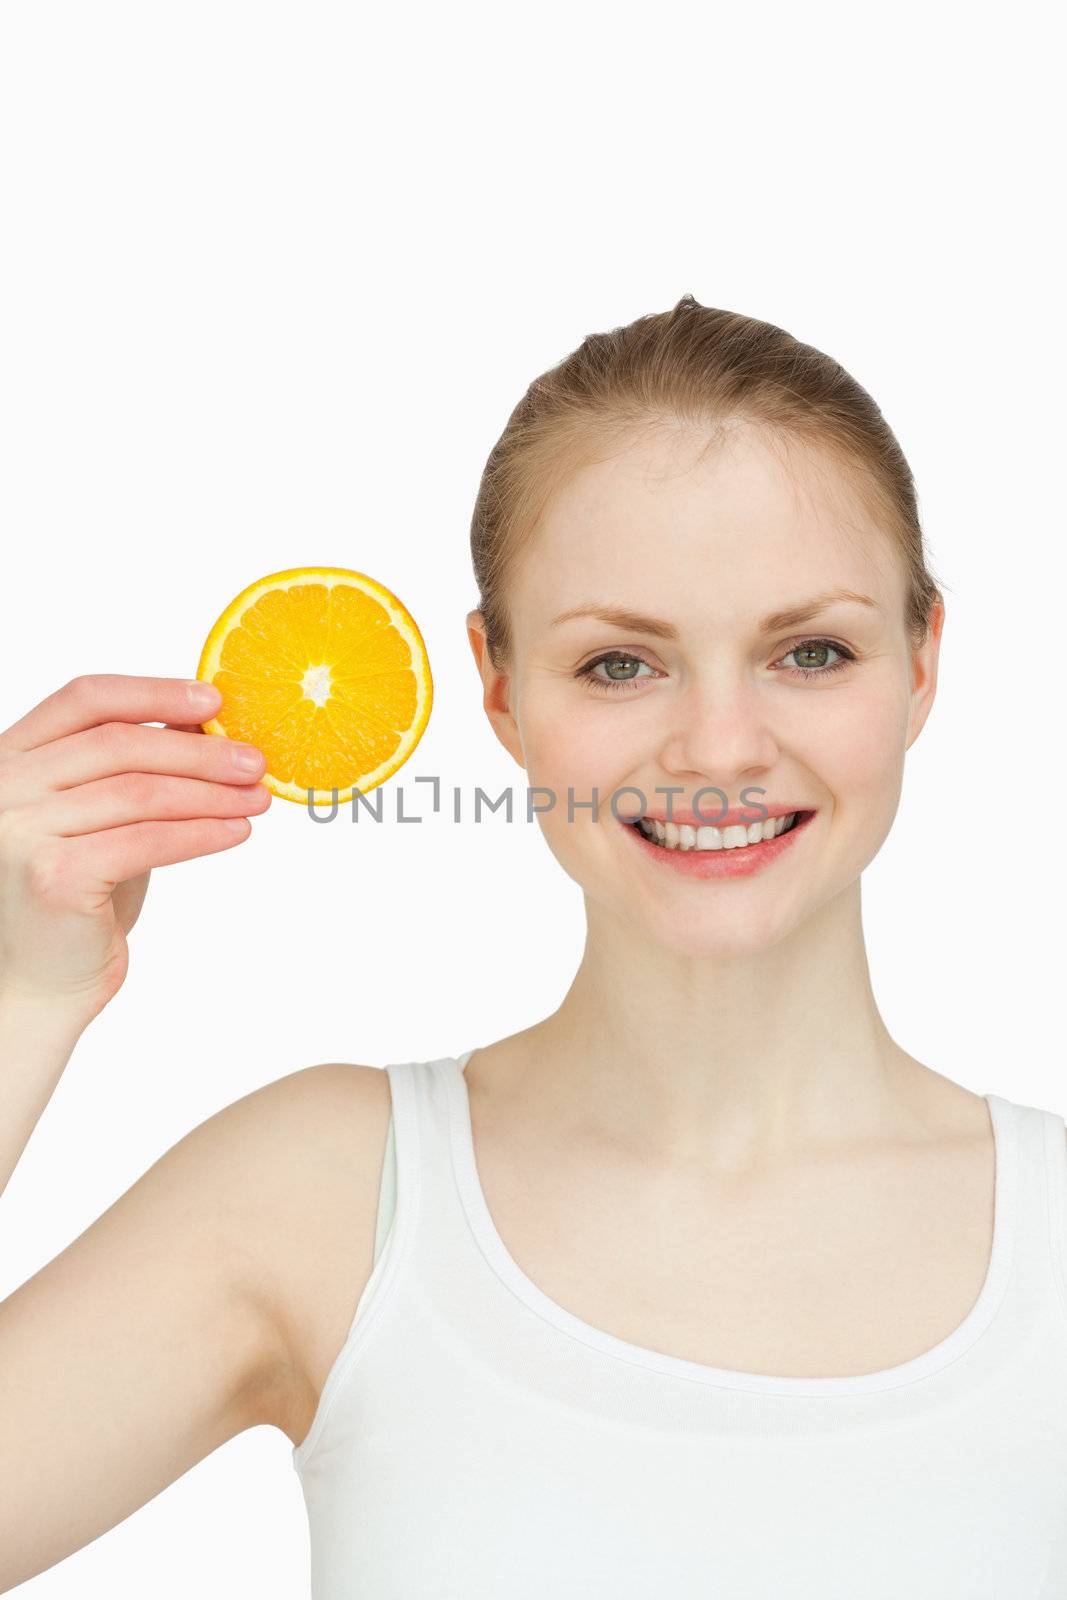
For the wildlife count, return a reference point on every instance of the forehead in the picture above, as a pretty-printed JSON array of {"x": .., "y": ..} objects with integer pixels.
[{"x": 707, "y": 525}]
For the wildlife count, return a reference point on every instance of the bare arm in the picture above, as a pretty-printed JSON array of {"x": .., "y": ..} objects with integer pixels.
[
  {"x": 91, "y": 801},
  {"x": 175, "y": 1321},
  {"x": 36, "y": 1042},
  {"x": 187, "y": 1311},
  {"x": 145, "y": 1342}
]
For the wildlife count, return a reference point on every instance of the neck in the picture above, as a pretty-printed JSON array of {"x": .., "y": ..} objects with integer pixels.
[{"x": 724, "y": 1061}]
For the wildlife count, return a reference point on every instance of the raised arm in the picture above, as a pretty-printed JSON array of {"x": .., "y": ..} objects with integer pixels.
[
  {"x": 148, "y": 1341},
  {"x": 144, "y": 1345},
  {"x": 213, "y": 1296}
]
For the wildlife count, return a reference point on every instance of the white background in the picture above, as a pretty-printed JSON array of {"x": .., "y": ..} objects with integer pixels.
[{"x": 273, "y": 278}]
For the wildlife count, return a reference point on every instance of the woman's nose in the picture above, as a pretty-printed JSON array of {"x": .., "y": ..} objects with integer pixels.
[{"x": 719, "y": 724}]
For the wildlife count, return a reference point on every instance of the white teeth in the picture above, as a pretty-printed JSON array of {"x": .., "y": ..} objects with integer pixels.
[{"x": 737, "y": 836}]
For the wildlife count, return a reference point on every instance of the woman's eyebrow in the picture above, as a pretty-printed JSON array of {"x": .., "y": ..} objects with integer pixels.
[{"x": 637, "y": 622}]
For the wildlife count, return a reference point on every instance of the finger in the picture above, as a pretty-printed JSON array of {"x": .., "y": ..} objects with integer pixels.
[
  {"x": 118, "y": 854},
  {"x": 143, "y": 797},
  {"x": 122, "y": 747},
  {"x": 105, "y": 697}
]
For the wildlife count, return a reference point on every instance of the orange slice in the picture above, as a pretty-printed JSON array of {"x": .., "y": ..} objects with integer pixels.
[{"x": 324, "y": 670}]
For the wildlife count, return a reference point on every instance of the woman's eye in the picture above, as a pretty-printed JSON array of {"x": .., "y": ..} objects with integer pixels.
[
  {"x": 612, "y": 660},
  {"x": 817, "y": 649}
]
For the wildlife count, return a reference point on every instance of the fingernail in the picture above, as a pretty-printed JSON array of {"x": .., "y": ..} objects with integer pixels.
[{"x": 202, "y": 695}]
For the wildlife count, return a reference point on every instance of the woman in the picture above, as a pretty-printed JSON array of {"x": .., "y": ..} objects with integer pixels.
[{"x": 702, "y": 1284}]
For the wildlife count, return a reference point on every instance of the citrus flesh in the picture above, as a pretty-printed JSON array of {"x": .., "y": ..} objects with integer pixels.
[{"x": 325, "y": 671}]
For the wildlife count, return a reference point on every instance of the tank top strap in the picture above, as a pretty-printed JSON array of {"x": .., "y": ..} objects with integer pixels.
[
  {"x": 420, "y": 1123},
  {"x": 1052, "y": 1134},
  {"x": 1035, "y": 1145},
  {"x": 417, "y": 1156},
  {"x": 429, "y": 1219}
]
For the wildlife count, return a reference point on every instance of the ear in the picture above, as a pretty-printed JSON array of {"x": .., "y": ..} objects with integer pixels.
[
  {"x": 924, "y": 663},
  {"x": 495, "y": 698}
]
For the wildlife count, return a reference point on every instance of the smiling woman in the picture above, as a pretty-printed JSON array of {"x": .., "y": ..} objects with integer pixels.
[
  {"x": 702, "y": 1282},
  {"x": 646, "y": 642}
]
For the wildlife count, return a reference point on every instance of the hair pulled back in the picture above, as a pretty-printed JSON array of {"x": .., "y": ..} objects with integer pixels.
[{"x": 694, "y": 365}]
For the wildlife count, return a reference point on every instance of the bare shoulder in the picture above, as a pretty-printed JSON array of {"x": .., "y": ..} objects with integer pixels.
[
  {"x": 212, "y": 1296},
  {"x": 319, "y": 1226},
  {"x": 312, "y": 1144}
]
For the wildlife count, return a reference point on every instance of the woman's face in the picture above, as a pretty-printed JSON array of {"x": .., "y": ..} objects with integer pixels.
[{"x": 711, "y": 545}]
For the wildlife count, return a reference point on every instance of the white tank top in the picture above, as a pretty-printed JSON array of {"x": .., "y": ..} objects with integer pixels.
[{"x": 476, "y": 1441}]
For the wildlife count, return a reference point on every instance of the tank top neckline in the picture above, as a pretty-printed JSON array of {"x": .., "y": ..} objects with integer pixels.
[{"x": 948, "y": 1350}]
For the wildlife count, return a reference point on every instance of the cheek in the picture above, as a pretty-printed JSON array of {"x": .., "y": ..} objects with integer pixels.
[
  {"x": 868, "y": 752},
  {"x": 859, "y": 761},
  {"x": 578, "y": 743},
  {"x": 570, "y": 750}
]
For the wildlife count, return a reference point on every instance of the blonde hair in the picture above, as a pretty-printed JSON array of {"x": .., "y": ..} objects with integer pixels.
[{"x": 692, "y": 364}]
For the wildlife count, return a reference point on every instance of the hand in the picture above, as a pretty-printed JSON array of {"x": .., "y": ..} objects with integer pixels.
[{"x": 90, "y": 801}]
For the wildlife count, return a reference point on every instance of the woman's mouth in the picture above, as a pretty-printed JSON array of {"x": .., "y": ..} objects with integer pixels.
[{"x": 719, "y": 853}]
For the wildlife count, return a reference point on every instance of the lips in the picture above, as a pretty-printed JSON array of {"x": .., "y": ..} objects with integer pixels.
[{"x": 726, "y": 864}]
